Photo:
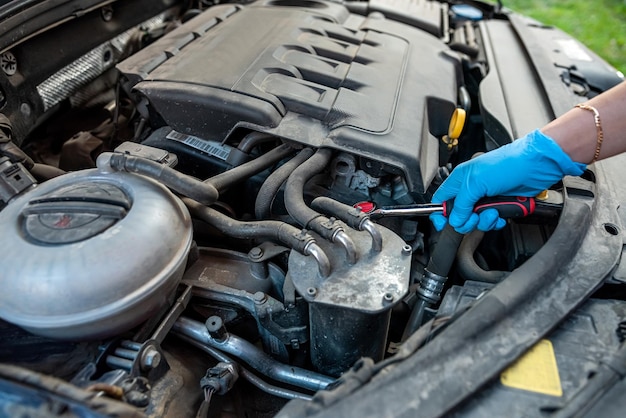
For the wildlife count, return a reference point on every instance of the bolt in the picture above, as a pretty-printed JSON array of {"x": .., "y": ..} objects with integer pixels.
[
  {"x": 406, "y": 249},
  {"x": 216, "y": 328},
  {"x": 311, "y": 291},
  {"x": 25, "y": 109},
  {"x": 150, "y": 359},
  {"x": 107, "y": 13},
  {"x": 107, "y": 56},
  {"x": 259, "y": 298},
  {"x": 388, "y": 297},
  {"x": 137, "y": 399},
  {"x": 255, "y": 253},
  {"x": 8, "y": 62}
]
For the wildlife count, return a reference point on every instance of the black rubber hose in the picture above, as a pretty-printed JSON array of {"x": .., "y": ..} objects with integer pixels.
[
  {"x": 468, "y": 268},
  {"x": 240, "y": 173},
  {"x": 253, "y": 139},
  {"x": 272, "y": 230},
  {"x": 294, "y": 188},
  {"x": 353, "y": 217},
  {"x": 434, "y": 277},
  {"x": 307, "y": 217},
  {"x": 186, "y": 185},
  {"x": 444, "y": 253},
  {"x": 270, "y": 187},
  {"x": 43, "y": 172},
  {"x": 206, "y": 192}
]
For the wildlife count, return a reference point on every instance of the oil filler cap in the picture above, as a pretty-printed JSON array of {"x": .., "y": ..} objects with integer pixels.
[{"x": 74, "y": 213}]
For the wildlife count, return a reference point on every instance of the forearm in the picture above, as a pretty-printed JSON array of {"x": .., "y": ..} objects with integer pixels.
[{"x": 576, "y": 134}]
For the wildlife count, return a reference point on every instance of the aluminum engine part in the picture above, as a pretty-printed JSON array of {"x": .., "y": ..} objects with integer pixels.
[
  {"x": 349, "y": 311},
  {"x": 90, "y": 255},
  {"x": 236, "y": 270}
]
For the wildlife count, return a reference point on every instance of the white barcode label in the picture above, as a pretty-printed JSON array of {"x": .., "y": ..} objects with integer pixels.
[{"x": 213, "y": 148}]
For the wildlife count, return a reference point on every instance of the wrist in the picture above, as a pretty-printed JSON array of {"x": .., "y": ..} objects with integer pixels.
[
  {"x": 551, "y": 151},
  {"x": 576, "y": 134}
]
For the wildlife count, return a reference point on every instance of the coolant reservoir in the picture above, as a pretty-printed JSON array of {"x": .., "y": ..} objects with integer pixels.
[{"x": 90, "y": 255}]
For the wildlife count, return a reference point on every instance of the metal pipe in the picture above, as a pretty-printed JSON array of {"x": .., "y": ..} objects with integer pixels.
[
  {"x": 464, "y": 99},
  {"x": 271, "y": 389},
  {"x": 119, "y": 363},
  {"x": 247, "y": 374},
  {"x": 256, "y": 358},
  {"x": 346, "y": 242},
  {"x": 125, "y": 353},
  {"x": 377, "y": 237},
  {"x": 323, "y": 263}
]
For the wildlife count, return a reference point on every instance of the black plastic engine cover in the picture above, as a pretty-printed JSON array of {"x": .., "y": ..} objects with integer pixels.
[{"x": 310, "y": 72}]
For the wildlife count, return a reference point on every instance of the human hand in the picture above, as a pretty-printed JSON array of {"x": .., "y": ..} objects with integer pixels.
[{"x": 525, "y": 167}]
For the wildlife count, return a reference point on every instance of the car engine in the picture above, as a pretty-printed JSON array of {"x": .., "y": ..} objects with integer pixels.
[{"x": 186, "y": 224}]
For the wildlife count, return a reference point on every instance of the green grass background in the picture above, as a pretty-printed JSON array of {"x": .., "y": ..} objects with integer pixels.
[{"x": 599, "y": 24}]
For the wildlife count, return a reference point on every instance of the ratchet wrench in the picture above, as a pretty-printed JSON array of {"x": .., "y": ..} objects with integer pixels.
[{"x": 508, "y": 207}]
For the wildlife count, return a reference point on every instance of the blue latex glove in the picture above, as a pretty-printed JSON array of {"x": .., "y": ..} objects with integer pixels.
[{"x": 525, "y": 167}]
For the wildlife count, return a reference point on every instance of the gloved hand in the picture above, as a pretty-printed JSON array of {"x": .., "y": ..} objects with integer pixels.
[{"x": 525, "y": 167}]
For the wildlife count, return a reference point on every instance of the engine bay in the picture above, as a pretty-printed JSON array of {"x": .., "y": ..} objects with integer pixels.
[{"x": 186, "y": 204}]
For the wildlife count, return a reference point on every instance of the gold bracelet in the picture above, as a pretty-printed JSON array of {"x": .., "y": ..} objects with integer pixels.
[{"x": 598, "y": 122}]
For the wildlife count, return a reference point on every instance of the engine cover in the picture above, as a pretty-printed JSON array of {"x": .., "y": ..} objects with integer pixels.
[{"x": 310, "y": 72}]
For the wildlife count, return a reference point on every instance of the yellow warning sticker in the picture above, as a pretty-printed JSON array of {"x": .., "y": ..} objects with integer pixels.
[{"x": 536, "y": 371}]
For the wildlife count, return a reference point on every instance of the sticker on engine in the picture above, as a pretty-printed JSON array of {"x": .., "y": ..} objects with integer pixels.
[
  {"x": 213, "y": 148},
  {"x": 573, "y": 50},
  {"x": 536, "y": 371}
]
